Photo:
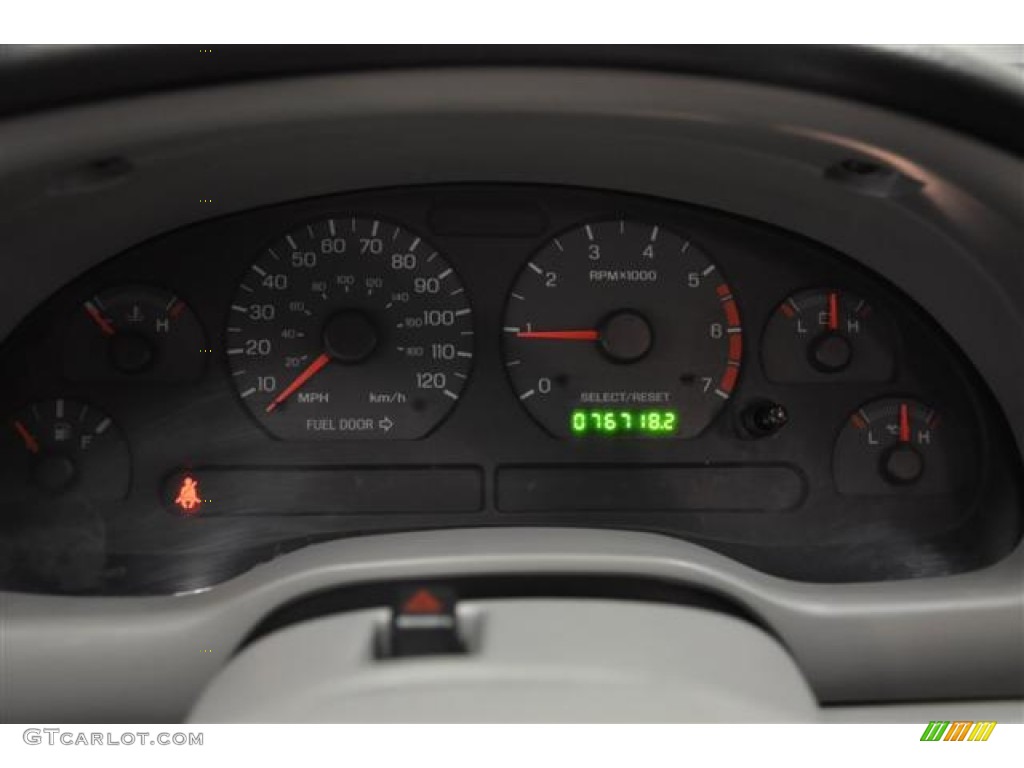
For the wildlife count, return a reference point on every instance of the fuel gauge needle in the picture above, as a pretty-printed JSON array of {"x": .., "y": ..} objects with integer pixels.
[
  {"x": 30, "y": 442},
  {"x": 300, "y": 380}
]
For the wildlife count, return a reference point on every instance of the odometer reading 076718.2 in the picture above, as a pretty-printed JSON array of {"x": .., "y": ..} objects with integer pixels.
[
  {"x": 622, "y": 329},
  {"x": 350, "y": 328},
  {"x": 612, "y": 422}
]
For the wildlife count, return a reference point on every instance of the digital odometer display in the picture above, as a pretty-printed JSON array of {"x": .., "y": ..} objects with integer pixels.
[
  {"x": 350, "y": 328},
  {"x": 621, "y": 328},
  {"x": 598, "y": 422}
]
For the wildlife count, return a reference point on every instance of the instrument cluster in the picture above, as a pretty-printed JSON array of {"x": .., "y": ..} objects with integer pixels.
[{"x": 479, "y": 355}]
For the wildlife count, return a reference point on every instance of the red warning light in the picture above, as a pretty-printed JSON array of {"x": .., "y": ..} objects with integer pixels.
[
  {"x": 423, "y": 602},
  {"x": 188, "y": 496}
]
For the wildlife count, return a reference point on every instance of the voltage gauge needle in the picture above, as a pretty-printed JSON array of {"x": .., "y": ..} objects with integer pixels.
[
  {"x": 560, "y": 335},
  {"x": 904, "y": 423},
  {"x": 311, "y": 370},
  {"x": 30, "y": 442}
]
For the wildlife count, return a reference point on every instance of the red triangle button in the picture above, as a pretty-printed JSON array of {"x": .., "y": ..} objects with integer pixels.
[{"x": 423, "y": 601}]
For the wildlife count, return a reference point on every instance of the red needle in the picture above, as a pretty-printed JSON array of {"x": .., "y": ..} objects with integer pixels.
[
  {"x": 560, "y": 335},
  {"x": 99, "y": 319},
  {"x": 30, "y": 442},
  {"x": 833, "y": 311},
  {"x": 301, "y": 379},
  {"x": 904, "y": 423}
]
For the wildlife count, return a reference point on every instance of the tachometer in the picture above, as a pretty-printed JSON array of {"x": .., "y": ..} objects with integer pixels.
[
  {"x": 350, "y": 328},
  {"x": 619, "y": 328}
]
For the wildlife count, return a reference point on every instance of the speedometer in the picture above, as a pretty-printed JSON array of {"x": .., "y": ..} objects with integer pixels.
[
  {"x": 350, "y": 328},
  {"x": 624, "y": 329}
]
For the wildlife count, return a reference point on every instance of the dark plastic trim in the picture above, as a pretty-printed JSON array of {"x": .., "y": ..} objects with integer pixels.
[
  {"x": 382, "y": 594},
  {"x": 971, "y": 100}
]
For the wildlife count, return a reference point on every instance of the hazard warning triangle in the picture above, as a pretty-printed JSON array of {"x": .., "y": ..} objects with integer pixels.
[{"x": 423, "y": 601}]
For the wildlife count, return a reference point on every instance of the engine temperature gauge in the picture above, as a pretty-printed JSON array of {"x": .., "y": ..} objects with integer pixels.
[
  {"x": 895, "y": 444},
  {"x": 137, "y": 333},
  {"x": 827, "y": 335}
]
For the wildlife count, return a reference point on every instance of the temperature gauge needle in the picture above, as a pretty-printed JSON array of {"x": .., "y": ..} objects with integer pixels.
[
  {"x": 300, "y": 380},
  {"x": 833, "y": 311},
  {"x": 560, "y": 335},
  {"x": 30, "y": 442},
  {"x": 99, "y": 319}
]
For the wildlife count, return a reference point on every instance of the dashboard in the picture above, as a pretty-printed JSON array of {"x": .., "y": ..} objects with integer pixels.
[
  {"x": 474, "y": 355},
  {"x": 643, "y": 362}
]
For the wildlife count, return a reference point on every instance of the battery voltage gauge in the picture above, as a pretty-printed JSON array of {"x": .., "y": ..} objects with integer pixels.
[{"x": 896, "y": 445}]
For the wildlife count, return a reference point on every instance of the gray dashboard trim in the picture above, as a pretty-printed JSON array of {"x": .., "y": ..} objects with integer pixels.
[
  {"x": 531, "y": 660},
  {"x": 752, "y": 150},
  {"x": 142, "y": 659}
]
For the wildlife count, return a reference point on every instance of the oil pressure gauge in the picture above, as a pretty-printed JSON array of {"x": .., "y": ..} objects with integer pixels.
[
  {"x": 896, "y": 445},
  {"x": 826, "y": 335}
]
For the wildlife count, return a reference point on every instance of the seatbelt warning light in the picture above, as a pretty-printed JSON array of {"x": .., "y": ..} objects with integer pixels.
[{"x": 188, "y": 499}]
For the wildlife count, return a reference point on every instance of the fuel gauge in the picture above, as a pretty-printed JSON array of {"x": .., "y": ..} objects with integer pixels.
[
  {"x": 895, "y": 445},
  {"x": 62, "y": 448},
  {"x": 137, "y": 333},
  {"x": 830, "y": 335}
]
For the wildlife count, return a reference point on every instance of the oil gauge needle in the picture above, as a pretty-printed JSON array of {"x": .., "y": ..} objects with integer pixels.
[
  {"x": 311, "y": 370},
  {"x": 30, "y": 442},
  {"x": 560, "y": 335},
  {"x": 833, "y": 311}
]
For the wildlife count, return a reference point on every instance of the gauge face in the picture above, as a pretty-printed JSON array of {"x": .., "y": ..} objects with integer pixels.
[
  {"x": 63, "y": 448},
  {"x": 137, "y": 333},
  {"x": 623, "y": 329},
  {"x": 895, "y": 445},
  {"x": 822, "y": 334},
  {"x": 350, "y": 328}
]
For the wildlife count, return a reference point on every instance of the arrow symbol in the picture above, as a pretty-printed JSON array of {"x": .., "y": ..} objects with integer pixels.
[{"x": 385, "y": 424}]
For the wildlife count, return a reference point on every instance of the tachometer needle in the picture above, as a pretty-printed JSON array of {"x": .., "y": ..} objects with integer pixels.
[
  {"x": 99, "y": 319},
  {"x": 560, "y": 335},
  {"x": 311, "y": 370},
  {"x": 30, "y": 442}
]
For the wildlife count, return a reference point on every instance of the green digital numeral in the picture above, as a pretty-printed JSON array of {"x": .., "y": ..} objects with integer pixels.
[{"x": 606, "y": 422}]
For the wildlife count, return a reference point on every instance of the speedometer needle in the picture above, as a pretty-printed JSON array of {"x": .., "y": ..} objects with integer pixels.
[
  {"x": 560, "y": 335},
  {"x": 311, "y": 370}
]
